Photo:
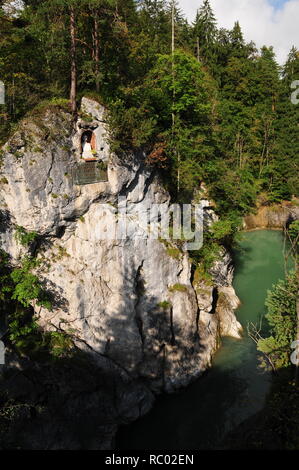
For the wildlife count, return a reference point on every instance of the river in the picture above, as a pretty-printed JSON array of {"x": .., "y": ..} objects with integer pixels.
[{"x": 234, "y": 388}]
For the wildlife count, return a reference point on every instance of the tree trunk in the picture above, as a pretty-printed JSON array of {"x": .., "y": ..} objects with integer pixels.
[
  {"x": 73, "y": 94},
  {"x": 172, "y": 27},
  {"x": 173, "y": 90},
  {"x": 197, "y": 49},
  {"x": 97, "y": 51}
]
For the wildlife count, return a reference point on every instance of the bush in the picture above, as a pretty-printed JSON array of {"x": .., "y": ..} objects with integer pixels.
[
  {"x": 282, "y": 319},
  {"x": 24, "y": 237}
]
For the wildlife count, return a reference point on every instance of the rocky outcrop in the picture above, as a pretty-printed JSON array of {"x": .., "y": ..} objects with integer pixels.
[
  {"x": 276, "y": 216},
  {"x": 132, "y": 304}
]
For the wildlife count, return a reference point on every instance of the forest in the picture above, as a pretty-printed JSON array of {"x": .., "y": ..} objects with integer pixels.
[{"x": 199, "y": 101}]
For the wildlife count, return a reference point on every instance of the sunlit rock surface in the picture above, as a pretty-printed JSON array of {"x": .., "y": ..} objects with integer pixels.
[{"x": 132, "y": 304}]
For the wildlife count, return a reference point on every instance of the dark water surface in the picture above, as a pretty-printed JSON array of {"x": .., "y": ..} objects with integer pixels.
[{"x": 234, "y": 389}]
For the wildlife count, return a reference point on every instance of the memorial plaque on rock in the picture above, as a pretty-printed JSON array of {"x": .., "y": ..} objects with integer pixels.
[{"x": 90, "y": 173}]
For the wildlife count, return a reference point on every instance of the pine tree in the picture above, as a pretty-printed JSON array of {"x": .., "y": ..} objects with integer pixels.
[
  {"x": 285, "y": 179},
  {"x": 282, "y": 318},
  {"x": 290, "y": 70},
  {"x": 204, "y": 32},
  {"x": 237, "y": 41}
]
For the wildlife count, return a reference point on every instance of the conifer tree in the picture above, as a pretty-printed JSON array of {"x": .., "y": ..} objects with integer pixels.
[{"x": 204, "y": 32}]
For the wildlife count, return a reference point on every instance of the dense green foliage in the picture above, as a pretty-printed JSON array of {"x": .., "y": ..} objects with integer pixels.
[
  {"x": 282, "y": 305},
  {"x": 20, "y": 287},
  {"x": 218, "y": 110},
  {"x": 25, "y": 238},
  {"x": 282, "y": 319}
]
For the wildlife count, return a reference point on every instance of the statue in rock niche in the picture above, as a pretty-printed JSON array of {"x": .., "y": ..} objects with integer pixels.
[{"x": 88, "y": 146}]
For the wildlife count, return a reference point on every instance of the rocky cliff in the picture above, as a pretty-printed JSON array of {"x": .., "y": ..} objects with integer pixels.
[
  {"x": 132, "y": 305},
  {"x": 275, "y": 216}
]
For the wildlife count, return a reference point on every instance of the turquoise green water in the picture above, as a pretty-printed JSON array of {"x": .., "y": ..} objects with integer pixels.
[{"x": 234, "y": 389}]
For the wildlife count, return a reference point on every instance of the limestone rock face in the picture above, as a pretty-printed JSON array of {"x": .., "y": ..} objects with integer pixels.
[
  {"x": 129, "y": 302},
  {"x": 276, "y": 216}
]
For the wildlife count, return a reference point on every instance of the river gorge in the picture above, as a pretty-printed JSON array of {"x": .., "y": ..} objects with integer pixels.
[
  {"x": 139, "y": 319},
  {"x": 234, "y": 388}
]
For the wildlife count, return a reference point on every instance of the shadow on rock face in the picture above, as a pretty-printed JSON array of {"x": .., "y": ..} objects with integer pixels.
[{"x": 65, "y": 404}]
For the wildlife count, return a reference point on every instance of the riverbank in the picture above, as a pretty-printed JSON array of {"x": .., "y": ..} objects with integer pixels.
[
  {"x": 266, "y": 430},
  {"x": 274, "y": 216}
]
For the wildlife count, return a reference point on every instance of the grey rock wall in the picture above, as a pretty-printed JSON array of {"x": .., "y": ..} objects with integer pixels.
[{"x": 131, "y": 303}]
